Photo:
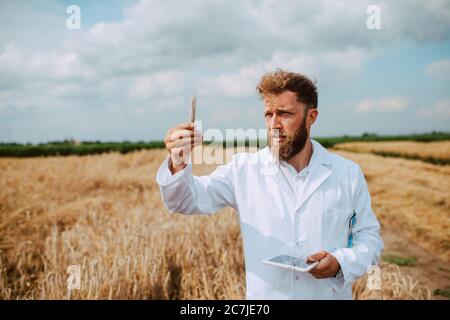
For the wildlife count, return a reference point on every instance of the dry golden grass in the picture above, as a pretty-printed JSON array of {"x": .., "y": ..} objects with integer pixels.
[
  {"x": 105, "y": 214},
  {"x": 439, "y": 150},
  {"x": 394, "y": 286}
]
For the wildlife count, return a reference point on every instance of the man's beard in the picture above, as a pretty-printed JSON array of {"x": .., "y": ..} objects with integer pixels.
[{"x": 292, "y": 144}]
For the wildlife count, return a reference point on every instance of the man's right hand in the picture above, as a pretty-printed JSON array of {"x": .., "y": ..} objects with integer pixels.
[{"x": 180, "y": 141}]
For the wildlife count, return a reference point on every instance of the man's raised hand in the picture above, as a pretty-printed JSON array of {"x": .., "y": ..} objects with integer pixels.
[{"x": 179, "y": 141}]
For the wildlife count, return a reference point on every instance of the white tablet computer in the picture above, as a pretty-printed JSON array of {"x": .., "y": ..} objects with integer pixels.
[{"x": 291, "y": 263}]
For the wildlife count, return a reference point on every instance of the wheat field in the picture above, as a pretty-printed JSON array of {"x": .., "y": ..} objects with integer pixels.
[
  {"x": 438, "y": 150},
  {"x": 105, "y": 214}
]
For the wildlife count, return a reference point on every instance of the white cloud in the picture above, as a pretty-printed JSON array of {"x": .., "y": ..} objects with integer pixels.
[
  {"x": 170, "y": 104},
  {"x": 328, "y": 65},
  {"x": 139, "y": 111},
  {"x": 441, "y": 110},
  {"x": 38, "y": 24},
  {"x": 439, "y": 69},
  {"x": 19, "y": 63},
  {"x": 385, "y": 104},
  {"x": 158, "y": 84},
  {"x": 167, "y": 50},
  {"x": 417, "y": 20}
]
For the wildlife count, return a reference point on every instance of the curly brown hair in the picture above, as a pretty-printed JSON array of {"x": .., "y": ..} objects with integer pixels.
[{"x": 277, "y": 82}]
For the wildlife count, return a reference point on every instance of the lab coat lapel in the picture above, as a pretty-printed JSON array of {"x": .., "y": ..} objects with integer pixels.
[
  {"x": 271, "y": 169},
  {"x": 319, "y": 171},
  {"x": 281, "y": 180}
]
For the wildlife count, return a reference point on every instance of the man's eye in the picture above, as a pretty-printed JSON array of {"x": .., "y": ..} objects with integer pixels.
[{"x": 268, "y": 115}]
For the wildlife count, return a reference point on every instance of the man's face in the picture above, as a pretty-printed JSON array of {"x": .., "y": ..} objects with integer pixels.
[{"x": 287, "y": 125}]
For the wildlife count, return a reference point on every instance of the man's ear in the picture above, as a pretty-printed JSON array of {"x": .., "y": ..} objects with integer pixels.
[{"x": 312, "y": 115}]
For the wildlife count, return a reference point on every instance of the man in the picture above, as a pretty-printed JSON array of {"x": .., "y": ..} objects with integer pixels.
[{"x": 293, "y": 197}]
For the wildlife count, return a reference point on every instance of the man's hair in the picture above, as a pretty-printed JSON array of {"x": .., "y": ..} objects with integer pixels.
[{"x": 277, "y": 82}]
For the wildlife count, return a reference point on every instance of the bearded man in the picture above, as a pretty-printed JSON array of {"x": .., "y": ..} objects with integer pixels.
[{"x": 293, "y": 197}]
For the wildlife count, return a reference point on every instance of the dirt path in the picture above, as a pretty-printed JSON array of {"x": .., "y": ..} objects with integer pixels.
[{"x": 429, "y": 269}]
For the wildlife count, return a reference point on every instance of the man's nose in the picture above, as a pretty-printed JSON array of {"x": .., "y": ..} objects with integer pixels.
[{"x": 275, "y": 122}]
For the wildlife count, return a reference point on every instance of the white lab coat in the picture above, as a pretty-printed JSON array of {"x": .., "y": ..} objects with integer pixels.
[{"x": 274, "y": 220}]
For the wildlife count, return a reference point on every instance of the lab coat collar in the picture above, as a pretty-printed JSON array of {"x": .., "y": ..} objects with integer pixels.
[{"x": 319, "y": 171}]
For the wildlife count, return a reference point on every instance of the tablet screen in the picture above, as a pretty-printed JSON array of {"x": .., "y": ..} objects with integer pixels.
[{"x": 291, "y": 261}]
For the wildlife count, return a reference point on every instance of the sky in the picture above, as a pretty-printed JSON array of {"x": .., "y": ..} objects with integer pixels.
[{"x": 130, "y": 70}]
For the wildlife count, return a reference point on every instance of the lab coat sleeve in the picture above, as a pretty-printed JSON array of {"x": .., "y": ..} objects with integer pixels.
[
  {"x": 367, "y": 242},
  {"x": 188, "y": 194}
]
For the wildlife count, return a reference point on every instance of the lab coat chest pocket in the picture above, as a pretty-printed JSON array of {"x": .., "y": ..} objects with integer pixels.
[{"x": 335, "y": 227}]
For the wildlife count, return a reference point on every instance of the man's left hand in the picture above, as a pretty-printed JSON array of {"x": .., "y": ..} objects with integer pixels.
[{"x": 327, "y": 267}]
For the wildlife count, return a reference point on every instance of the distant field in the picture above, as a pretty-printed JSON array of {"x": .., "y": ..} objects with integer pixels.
[
  {"x": 437, "y": 152},
  {"x": 72, "y": 147},
  {"x": 66, "y": 148},
  {"x": 104, "y": 213}
]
